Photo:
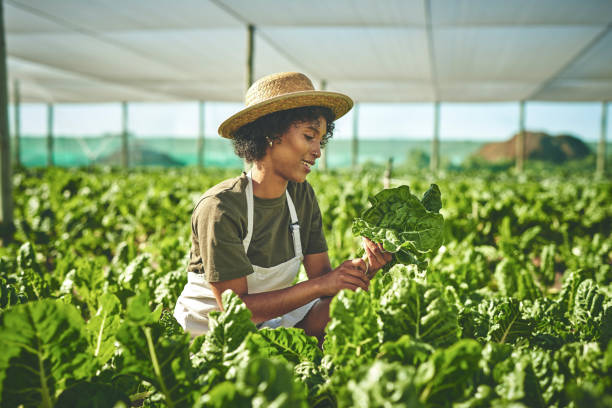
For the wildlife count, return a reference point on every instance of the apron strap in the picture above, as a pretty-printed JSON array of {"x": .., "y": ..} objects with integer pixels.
[
  {"x": 249, "y": 199},
  {"x": 295, "y": 226}
]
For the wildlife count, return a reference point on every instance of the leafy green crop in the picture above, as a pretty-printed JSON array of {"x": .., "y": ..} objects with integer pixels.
[
  {"x": 515, "y": 308},
  {"x": 408, "y": 227}
]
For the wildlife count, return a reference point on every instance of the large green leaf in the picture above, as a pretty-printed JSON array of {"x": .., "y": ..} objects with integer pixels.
[
  {"x": 352, "y": 333},
  {"x": 43, "y": 348},
  {"x": 448, "y": 374},
  {"x": 227, "y": 330},
  {"x": 260, "y": 382},
  {"x": 290, "y": 344},
  {"x": 506, "y": 323},
  {"x": 405, "y": 227},
  {"x": 516, "y": 281},
  {"x": 103, "y": 327},
  {"x": 414, "y": 308},
  {"x": 384, "y": 385},
  {"x": 517, "y": 382},
  {"x": 92, "y": 395},
  {"x": 156, "y": 358},
  {"x": 406, "y": 350}
]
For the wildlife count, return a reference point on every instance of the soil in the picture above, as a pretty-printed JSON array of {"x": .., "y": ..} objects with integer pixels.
[{"x": 538, "y": 146}]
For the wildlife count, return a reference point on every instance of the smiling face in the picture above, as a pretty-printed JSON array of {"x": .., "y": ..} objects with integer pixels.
[{"x": 298, "y": 149}]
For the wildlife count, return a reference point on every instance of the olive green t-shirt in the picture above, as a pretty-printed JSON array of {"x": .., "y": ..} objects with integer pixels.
[{"x": 219, "y": 225}]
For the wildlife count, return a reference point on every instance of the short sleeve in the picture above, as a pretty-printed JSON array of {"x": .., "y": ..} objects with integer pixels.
[{"x": 218, "y": 230}]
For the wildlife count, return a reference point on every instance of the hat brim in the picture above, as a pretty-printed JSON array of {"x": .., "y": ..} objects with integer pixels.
[{"x": 339, "y": 103}]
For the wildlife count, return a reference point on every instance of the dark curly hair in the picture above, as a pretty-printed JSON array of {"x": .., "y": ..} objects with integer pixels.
[{"x": 251, "y": 140}]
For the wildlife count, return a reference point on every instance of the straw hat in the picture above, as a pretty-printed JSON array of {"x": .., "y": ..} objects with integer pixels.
[{"x": 282, "y": 91}]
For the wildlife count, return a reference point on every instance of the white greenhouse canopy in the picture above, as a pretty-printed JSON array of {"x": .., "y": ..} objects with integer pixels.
[{"x": 372, "y": 50}]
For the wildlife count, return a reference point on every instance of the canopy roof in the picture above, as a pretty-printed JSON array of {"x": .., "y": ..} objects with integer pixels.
[{"x": 372, "y": 50}]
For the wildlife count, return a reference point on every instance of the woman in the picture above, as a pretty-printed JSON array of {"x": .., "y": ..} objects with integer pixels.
[{"x": 251, "y": 233}]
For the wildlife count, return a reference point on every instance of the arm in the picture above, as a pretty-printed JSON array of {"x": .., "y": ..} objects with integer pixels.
[
  {"x": 267, "y": 305},
  {"x": 317, "y": 264}
]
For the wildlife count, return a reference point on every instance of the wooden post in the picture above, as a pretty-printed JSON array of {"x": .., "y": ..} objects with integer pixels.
[
  {"x": 520, "y": 140},
  {"x": 6, "y": 189},
  {"x": 17, "y": 123},
  {"x": 50, "y": 160},
  {"x": 323, "y": 158},
  {"x": 201, "y": 136},
  {"x": 434, "y": 162},
  {"x": 355, "y": 144},
  {"x": 125, "y": 153},
  {"x": 601, "y": 147}
]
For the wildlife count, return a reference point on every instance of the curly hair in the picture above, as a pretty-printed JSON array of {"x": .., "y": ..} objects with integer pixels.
[{"x": 251, "y": 140}]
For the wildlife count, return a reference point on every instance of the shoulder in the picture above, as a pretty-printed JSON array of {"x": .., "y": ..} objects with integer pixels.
[
  {"x": 301, "y": 191},
  {"x": 227, "y": 196}
]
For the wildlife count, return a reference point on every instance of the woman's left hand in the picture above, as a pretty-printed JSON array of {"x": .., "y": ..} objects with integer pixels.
[{"x": 377, "y": 256}]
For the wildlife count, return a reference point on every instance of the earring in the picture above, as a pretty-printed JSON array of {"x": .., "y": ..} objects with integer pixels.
[{"x": 269, "y": 143}]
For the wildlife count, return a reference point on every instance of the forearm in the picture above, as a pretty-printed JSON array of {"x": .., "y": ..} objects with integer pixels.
[{"x": 267, "y": 305}]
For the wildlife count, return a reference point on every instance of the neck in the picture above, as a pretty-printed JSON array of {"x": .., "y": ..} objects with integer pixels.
[{"x": 267, "y": 184}]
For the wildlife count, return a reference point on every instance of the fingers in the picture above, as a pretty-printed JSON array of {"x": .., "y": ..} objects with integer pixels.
[
  {"x": 359, "y": 264},
  {"x": 353, "y": 282},
  {"x": 376, "y": 253}
]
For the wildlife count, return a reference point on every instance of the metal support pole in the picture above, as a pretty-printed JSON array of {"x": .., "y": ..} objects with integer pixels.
[
  {"x": 50, "y": 160},
  {"x": 6, "y": 189},
  {"x": 601, "y": 147},
  {"x": 249, "y": 67},
  {"x": 17, "y": 123},
  {"x": 434, "y": 162},
  {"x": 520, "y": 140},
  {"x": 388, "y": 174},
  {"x": 355, "y": 144},
  {"x": 201, "y": 136},
  {"x": 323, "y": 158},
  {"x": 250, "y": 55},
  {"x": 125, "y": 153}
]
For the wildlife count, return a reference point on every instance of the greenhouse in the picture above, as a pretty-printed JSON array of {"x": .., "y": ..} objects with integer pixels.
[{"x": 473, "y": 157}]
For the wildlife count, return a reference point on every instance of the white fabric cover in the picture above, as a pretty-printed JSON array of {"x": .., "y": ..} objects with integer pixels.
[{"x": 375, "y": 51}]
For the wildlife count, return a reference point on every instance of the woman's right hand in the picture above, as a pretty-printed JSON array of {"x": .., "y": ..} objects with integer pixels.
[{"x": 350, "y": 274}]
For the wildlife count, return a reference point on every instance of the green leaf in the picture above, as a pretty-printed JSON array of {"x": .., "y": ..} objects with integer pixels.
[
  {"x": 383, "y": 385},
  {"x": 411, "y": 307},
  {"x": 406, "y": 350},
  {"x": 352, "y": 332},
  {"x": 403, "y": 225},
  {"x": 227, "y": 330},
  {"x": 432, "y": 199},
  {"x": 9, "y": 296},
  {"x": 162, "y": 361},
  {"x": 260, "y": 382},
  {"x": 518, "y": 382},
  {"x": 92, "y": 395},
  {"x": 506, "y": 324},
  {"x": 42, "y": 349},
  {"x": 103, "y": 327},
  {"x": 516, "y": 281},
  {"x": 289, "y": 343},
  {"x": 448, "y": 374}
]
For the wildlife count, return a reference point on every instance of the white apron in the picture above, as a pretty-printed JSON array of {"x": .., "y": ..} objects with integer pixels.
[{"x": 197, "y": 298}]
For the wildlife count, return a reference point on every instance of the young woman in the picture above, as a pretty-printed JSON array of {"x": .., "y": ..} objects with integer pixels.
[{"x": 250, "y": 234}]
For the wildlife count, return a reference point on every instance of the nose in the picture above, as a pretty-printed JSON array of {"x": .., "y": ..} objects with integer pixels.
[{"x": 317, "y": 152}]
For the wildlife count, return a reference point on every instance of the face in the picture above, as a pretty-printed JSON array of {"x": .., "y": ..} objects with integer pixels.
[{"x": 298, "y": 149}]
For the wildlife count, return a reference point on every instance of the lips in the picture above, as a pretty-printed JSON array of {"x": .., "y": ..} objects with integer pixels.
[{"x": 308, "y": 163}]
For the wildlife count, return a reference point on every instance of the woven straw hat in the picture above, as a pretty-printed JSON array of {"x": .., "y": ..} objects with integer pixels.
[{"x": 282, "y": 91}]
